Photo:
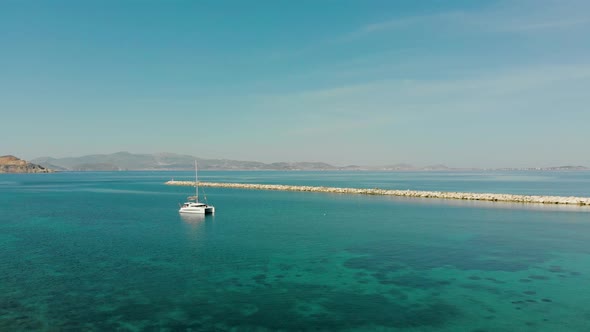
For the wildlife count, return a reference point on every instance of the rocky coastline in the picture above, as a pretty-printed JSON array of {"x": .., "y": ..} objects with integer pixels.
[
  {"x": 12, "y": 164},
  {"x": 571, "y": 200}
]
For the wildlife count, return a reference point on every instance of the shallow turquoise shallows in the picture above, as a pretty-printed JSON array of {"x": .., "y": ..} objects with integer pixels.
[{"x": 109, "y": 251}]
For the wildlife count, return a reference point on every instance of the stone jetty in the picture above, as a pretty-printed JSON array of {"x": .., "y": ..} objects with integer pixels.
[{"x": 582, "y": 201}]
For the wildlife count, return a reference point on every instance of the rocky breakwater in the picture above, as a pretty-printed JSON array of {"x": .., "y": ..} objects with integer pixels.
[
  {"x": 12, "y": 164},
  {"x": 584, "y": 201}
]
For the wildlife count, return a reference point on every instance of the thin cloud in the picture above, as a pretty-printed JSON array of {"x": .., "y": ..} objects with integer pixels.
[
  {"x": 405, "y": 22},
  {"x": 376, "y": 95},
  {"x": 539, "y": 17},
  {"x": 399, "y": 23},
  {"x": 354, "y": 112},
  {"x": 546, "y": 25}
]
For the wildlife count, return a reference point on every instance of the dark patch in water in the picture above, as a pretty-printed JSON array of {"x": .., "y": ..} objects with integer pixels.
[
  {"x": 413, "y": 281},
  {"x": 397, "y": 293},
  {"x": 371, "y": 264},
  {"x": 276, "y": 309},
  {"x": 556, "y": 269},
  {"x": 495, "y": 281},
  {"x": 538, "y": 277},
  {"x": 259, "y": 278},
  {"x": 485, "y": 253},
  {"x": 530, "y": 292},
  {"x": 474, "y": 278},
  {"x": 285, "y": 267},
  {"x": 525, "y": 280},
  {"x": 484, "y": 288},
  {"x": 546, "y": 300}
]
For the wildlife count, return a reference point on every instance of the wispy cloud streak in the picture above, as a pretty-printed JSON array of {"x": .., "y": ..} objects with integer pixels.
[
  {"x": 557, "y": 24},
  {"x": 538, "y": 16}
]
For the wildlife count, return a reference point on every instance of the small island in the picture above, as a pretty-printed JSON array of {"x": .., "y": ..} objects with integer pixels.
[{"x": 12, "y": 164}]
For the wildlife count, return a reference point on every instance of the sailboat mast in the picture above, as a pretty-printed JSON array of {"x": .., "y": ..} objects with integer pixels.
[{"x": 196, "y": 184}]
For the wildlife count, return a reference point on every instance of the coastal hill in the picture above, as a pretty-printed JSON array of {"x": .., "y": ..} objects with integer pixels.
[{"x": 12, "y": 164}]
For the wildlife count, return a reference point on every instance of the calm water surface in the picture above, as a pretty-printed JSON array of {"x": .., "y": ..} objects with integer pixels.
[{"x": 108, "y": 251}]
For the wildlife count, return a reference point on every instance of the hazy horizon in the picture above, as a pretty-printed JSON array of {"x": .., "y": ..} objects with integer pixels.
[
  {"x": 303, "y": 161},
  {"x": 487, "y": 84}
]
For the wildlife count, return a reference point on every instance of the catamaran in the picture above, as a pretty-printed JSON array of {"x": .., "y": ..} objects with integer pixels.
[{"x": 196, "y": 207}]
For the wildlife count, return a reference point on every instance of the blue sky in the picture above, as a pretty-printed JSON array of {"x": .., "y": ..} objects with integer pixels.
[{"x": 464, "y": 83}]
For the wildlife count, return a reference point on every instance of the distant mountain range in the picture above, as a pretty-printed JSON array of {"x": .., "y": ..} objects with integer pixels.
[
  {"x": 121, "y": 161},
  {"x": 166, "y": 161}
]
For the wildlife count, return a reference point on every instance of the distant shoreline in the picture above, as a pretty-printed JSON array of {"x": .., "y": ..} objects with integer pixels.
[
  {"x": 453, "y": 170},
  {"x": 126, "y": 161},
  {"x": 533, "y": 199}
]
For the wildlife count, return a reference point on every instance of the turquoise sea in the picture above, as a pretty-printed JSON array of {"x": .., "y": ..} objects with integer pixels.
[{"x": 109, "y": 252}]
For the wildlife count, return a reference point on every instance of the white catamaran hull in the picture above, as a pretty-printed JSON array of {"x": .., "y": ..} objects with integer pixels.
[{"x": 197, "y": 210}]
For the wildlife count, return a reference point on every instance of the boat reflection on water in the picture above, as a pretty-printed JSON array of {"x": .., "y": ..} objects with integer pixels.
[
  {"x": 197, "y": 225},
  {"x": 192, "y": 218}
]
